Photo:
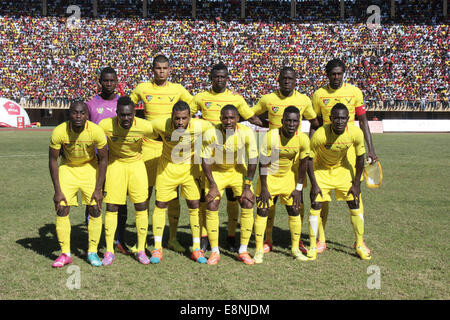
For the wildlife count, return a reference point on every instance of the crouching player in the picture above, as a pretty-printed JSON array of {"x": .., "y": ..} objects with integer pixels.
[
  {"x": 329, "y": 169},
  {"x": 223, "y": 164},
  {"x": 279, "y": 151},
  {"x": 79, "y": 169},
  {"x": 126, "y": 174}
]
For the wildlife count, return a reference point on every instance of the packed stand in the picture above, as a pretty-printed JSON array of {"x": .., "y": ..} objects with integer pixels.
[{"x": 396, "y": 66}]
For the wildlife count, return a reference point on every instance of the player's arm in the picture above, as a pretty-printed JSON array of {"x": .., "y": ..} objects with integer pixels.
[
  {"x": 213, "y": 190},
  {"x": 260, "y": 110},
  {"x": 54, "y": 174},
  {"x": 252, "y": 152},
  {"x": 355, "y": 189},
  {"x": 318, "y": 120},
  {"x": 97, "y": 195},
  {"x": 364, "y": 125},
  {"x": 297, "y": 194}
]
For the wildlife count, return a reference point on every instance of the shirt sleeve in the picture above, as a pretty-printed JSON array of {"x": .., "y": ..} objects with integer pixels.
[
  {"x": 309, "y": 113},
  {"x": 194, "y": 105},
  {"x": 305, "y": 149},
  {"x": 208, "y": 143},
  {"x": 135, "y": 95},
  {"x": 244, "y": 110},
  {"x": 251, "y": 145},
  {"x": 358, "y": 142},
  {"x": 185, "y": 95},
  {"x": 99, "y": 138},
  {"x": 260, "y": 107},
  {"x": 55, "y": 140},
  {"x": 316, "y": 104}
]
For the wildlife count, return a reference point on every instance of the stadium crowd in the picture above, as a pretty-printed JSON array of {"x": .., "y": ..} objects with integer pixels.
[{"x": 403, "y": 63}]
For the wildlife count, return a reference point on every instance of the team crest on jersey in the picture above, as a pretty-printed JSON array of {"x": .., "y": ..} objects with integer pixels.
[
  {"x": 208, "y": 105},
  {"x": 326, "y": 101},
  {"x": 275, "y": 109},
  {"x": 148, "y": 98},
  {"x": 100, "y": 110}
]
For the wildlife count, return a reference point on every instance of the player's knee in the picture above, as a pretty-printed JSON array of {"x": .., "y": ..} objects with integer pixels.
[
  {"x": 193, "y": 204},
  {"x": 94, "y": 212},
  {"x": 292, "y": 211},
  {"x": 140, "y": 206},
  {"x": 316, "y": 205},
  {"x": 213, "y": 205},
  {"x": 262, "y": 212},
  {"x": 245, "y": 204},
  {"x": 353, "y": 205},
  {"x": 62, "y": 211}
]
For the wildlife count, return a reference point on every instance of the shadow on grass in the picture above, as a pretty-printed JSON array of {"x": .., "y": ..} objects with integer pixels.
[{"x": 47, "y": 243}]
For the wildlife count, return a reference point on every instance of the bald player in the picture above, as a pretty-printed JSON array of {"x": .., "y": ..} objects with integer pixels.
[
  {"x": 159, "y": 97},
  {"x": 78, "y": 139}
]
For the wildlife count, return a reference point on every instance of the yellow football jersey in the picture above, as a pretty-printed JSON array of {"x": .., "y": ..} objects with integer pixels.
[
  {"x": 159, "y": 100},
  {"x": 325, "y": 98},
  {"x": 329, "y": 149},
  {"x": 275, "y": 103},
  {"x": 229, "y": 149},
  {"x": 179, "y": 145},
  {"x": 78, "y": 148},
  {"x": 210, "y": 103},
  {"x": 282, "y": 152},
  {"x": 126, "y": 144}
]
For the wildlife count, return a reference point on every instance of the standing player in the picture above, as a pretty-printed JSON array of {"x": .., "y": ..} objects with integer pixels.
[
  {"x": 79, "y": 169},
  {"x": 274, "y": 104},
  {"x": 158, "y": 97},
  {"x": 126, "y": 174},
  {"x": 323, "y": 99},
  {"x": 103, "y": 106},
  {"x": 280, "y": 150},
  {"x": 176, "y": 168},
  {"x": 330, "y": 169},
  {"x": 226, "y": 146},
  {"x": 209, "y": 103}
]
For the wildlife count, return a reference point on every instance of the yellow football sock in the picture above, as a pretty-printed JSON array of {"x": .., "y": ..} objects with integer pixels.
[
  {"x": 246, "y": 225},
  {"x": 110, "y": 229},
  {"x": 357, "y": 219},
  {"x": 295, "y": 226},
  {"x": 195, "y": 228},
  {"x": 202, "y": 219},
  {"x": 63, "y": 233},
  {"x": 324, "y": 218},
  {"x": 260, "y": 228},
  {"x": 212, "y": 224},
  {"x": 94, "y": 232},
  {"x": 142, "y": 229},
  {"x": 233, "y": 216},
  {"x": 158, "y": 224},
  {"x": 270, "y": 223},
  {"x": 173, "y": 212},
  {"x": 314, "y": 220}
]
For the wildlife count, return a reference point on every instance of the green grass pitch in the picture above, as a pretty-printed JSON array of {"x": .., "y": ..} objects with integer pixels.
[{"x": 406, "y": 227}]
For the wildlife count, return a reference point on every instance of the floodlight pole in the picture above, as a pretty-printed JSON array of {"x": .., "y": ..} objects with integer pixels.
[
  {"x": 194, "y": 9},
  {"x": 144, "y": 9},
  {"x": 342, "y": 9},
  {"x": 242, "y": 9},
  {"x": 293, "y": 9},
  {"x": 392, "y": 8},
  {"x": 444, "y": 8},
  {"x": 95, "y": 8},
  {"x": 44, "y": 7}
]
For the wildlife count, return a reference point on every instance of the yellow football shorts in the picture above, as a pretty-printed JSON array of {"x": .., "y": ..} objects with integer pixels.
[
  {"x": 281, "y": 186},
  {"x": 151, "y": 152},
  {"x": 228, "y": 179},
  {"x": 338, "y": 179},
  {"x": 126, "y": 177},
  {"x": 171, "y": 175},
  {"x": 74, "y": 178}
]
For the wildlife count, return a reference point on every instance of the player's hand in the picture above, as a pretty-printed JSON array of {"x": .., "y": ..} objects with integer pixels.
[
  {"x": 355, "y": 190},
  {"x": 371, "y": 157},
  {"x": 57, "y": 198},
  {"x": 248, "y": 195},
  {"x": 315, "y": 190},
  {"x": 297, "y": 196},
  {"x": 213, "y": 193},
  {"x": 264, "y": 198},
  {"x": 98, "y": 197}
]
